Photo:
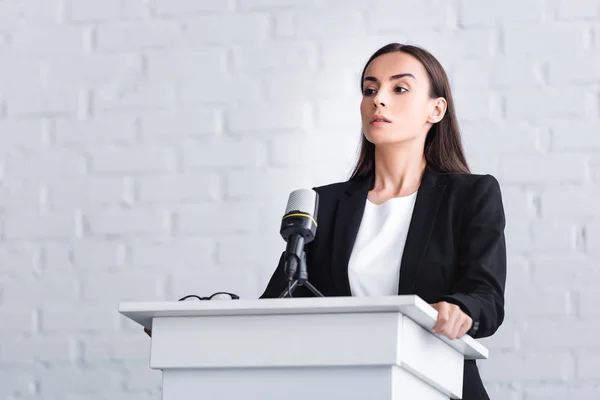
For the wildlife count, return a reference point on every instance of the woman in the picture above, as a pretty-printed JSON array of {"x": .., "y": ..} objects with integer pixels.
[{"x": 412, "y": 219}]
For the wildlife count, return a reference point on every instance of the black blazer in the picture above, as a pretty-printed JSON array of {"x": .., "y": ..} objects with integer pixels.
[{"x": 455, "y": 249}]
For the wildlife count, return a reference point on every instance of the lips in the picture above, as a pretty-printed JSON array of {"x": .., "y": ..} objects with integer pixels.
[{"x": 380, "y": 119}]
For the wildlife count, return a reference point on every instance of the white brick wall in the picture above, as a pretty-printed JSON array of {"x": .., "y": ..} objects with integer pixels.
[{"x": 147, "y": 149}]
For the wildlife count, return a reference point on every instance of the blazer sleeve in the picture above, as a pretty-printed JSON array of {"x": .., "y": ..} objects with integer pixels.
[{"x": 482, "y": 259}]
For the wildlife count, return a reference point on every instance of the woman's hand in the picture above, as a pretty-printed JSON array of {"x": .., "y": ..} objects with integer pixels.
[
  {"x": 148, "y": 332},
  {"x": 452, "y": 322}
]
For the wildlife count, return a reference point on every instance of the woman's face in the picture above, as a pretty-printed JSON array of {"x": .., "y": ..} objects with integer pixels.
[{"x": 396, "y": 87}]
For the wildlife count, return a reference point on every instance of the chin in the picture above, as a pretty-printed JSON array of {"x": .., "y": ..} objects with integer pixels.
[{"x": 381, "y": 137}]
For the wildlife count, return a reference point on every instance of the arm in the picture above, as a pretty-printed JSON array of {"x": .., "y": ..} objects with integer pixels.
[{"x": 479, "y": 292}]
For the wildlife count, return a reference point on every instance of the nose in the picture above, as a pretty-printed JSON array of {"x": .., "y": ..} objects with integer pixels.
[{"x": 378, "y": 100}]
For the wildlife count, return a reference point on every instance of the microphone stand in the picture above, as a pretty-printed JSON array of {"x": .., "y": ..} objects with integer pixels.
[{"x": 300, "y": 276}]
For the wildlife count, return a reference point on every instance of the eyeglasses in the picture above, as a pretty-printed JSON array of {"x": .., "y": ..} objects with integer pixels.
[{"x": 214, "y": 296}]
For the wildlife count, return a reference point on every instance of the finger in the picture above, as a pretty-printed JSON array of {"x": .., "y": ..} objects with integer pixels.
[
  {"x": 442, "y": 319},
  {"x": 464, "y": 328},
  {"x": 450, "y": 327}
]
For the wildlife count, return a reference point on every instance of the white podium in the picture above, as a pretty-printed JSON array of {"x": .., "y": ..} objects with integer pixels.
[{"x": 372, "y": 348}]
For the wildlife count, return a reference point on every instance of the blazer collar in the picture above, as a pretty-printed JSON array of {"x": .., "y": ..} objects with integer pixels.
[{"x": 349, "y": 216}]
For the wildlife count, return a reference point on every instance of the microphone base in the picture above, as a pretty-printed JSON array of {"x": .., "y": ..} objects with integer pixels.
[
  {"x": 297, "y": 277},
  {"x": 289, "y": 290}
]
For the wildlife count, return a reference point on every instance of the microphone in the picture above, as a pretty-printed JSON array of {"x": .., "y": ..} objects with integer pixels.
[{"x": 298, "y": 227}]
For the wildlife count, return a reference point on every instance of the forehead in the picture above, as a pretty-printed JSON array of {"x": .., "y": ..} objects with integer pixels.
[{"x": 394, "y": 63}]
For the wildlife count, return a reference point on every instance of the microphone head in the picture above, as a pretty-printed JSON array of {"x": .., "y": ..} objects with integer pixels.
[{"x": 304, "y": 201}]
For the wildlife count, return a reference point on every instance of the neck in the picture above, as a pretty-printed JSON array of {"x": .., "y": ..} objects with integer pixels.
[{"x": 398, "y": 169}]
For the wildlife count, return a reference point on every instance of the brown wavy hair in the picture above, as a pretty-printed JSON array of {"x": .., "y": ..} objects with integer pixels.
[{"x": 443, "y": 145}]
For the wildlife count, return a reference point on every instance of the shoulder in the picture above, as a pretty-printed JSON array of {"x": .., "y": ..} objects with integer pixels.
[{"x": 472, "y": 185}]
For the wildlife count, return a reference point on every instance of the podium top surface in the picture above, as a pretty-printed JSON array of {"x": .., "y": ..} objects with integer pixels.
[{"x": 410, "y": 305}]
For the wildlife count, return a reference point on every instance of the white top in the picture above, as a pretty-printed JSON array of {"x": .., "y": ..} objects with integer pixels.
[{"x": 374, "y": 265}]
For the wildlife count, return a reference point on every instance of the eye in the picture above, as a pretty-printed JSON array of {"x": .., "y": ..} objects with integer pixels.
[
  {"x": 401, "y": 89},
  {"x": 368, "y": 92}
]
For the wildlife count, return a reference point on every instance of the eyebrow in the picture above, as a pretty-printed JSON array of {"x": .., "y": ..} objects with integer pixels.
[{"x": 393, "y": 77}]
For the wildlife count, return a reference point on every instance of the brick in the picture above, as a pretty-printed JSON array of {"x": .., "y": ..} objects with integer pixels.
[
  {"x": 140, "y": 159},
  {"x": 570, "y": 134},
  {"x": 51, "y": 291},
  {"x": 223, "y": 152},
  {"x": 21, "y": 134},
  {"x": 324, "y": 149},
  {"x": 272, "y": 184},
  {"x": 592, "y": 236},
  {"x": 29, "y": 225},
  {"x": 228, "y": 29},
  {"x": 179, "y": 253},
  {"x": 179, "y": 188},
  {"x": 183, "y": 123},
  {"x": 97, "y": 255},
  {"x": 50, "y": 40},
  {"x": 579, "y": 10},
  {"x": 549, "y": 102},
  {"x": 79, "y": 318},
  {"x": 587, "y": 306},
  {"x": 219, "y": 90},
  {"x": 93, "y": 11},
  {"x": 92, "y": 69},
  {"x": 516, "y": 71},
  {"x": 518, "y": 236},
  {"x": 555, "y": 168},
  {"x": 252, "y": 249},
  {"x": 269, "y": 5},
  {"x": 541, "y": 40},
  {"x": 566, "y": 270},
  {"x": 138, "y": 221},
  {"x": 549, "y": 391},
  {"x": 114, "y": 130},
  {"x": 570, "y": 201},
  {"x": 98, "y": 379},
  {"x": 554, "y": 334},
  {"x": 183, "y": 65},
  {"x": 188, "y": 7},
  {"x": 120, "y": 286},
  {"x": 20, "y": 195},
  {"x": 135, "y": 10},
  {"x": 338, "y": 53},
  {"x": 385, "y": 16},
  {"x": 505, "y": 137},
  {"x": 17, "y": 321},
  {"x": 473, "y": 43},
  {"x": 477, "y": 13},
  {"x": 554, "y": 235},
  {"x": 42, "y": 13},
  {"x": 55, "y": 257},
  {"x": 331, "y": 23},
  {"x": 35, "y": 100},
  {"x": 26, "y": 352},
  {"x": 88, "y": 191},
  {"x": 285, "y": 24},
  {"x": 23, "y": 65},
  {"x": 268, "y": 57},
  {"x": 321, "y": 85},
  {"x": 132, "y": 98},
  {"x": 136, "y": 36},
  {"x": 505, "y": 339},
  {"x": 551, "y": 303},
  {"x": 16, "y": 382},
  {"x": 269, "y": 118},
  {"x": 217, "y": 218},
  {"x": 476, "y": 105},
  {"x": 19, "y": 258},
  {"x": 579, "y": 68},
  {"x": 111, "y": 349},
  {"x": 510, "y": 367},
  {"x": 43, "y": 165}
]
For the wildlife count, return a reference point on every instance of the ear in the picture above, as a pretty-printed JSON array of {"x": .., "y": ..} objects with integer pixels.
[{"x": 438, "y": 110}]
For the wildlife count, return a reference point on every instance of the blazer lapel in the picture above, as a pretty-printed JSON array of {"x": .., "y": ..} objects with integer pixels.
[
  {"x": 349, "y": 215},
  {"x": 421, "y": 225}
]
